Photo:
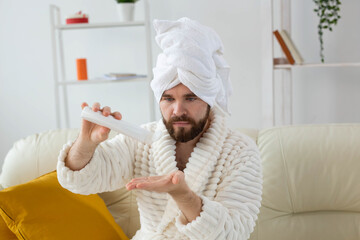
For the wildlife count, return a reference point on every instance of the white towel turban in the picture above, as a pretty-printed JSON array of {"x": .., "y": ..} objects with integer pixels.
[{"x": 192, "y": 55}]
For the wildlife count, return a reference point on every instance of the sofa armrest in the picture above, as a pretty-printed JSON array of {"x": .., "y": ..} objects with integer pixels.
[{"x": 34, "y": 156}]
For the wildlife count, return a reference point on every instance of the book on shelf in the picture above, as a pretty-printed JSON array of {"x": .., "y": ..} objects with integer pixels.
[
  {"x": 290, "y": 44},
  {"x": 284, "y": 47},
  {"x": 279, "y": 61},
  {"x": 122, "y": 76}
]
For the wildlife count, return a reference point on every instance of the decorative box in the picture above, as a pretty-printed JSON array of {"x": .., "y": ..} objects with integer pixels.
[{"x": 78, "y": 17}]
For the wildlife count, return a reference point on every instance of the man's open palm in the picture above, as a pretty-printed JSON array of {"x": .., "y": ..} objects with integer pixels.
[{"x": 173, "y": 183}]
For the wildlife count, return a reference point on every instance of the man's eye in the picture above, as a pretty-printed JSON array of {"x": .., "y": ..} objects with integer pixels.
[
  {"x": 191, "y": 99},
  {"x": 168, "y": 99}
]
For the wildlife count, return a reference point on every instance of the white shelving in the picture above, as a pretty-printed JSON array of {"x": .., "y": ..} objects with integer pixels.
[
  {"x": 277, "y": 96},
  {"x": 61, "y": 83},
  {"x": 316, "y": 65},
  {"x": 101, "y": 81},
  {"x": 99, "y": 25}
]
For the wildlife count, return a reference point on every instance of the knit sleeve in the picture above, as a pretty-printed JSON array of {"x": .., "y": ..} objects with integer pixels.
[
  {"x": 233, "y": 212},
  {"x": 110, "y": 168}
]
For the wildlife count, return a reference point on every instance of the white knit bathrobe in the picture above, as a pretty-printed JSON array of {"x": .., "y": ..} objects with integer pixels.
[{"x": 224, "y": 170}]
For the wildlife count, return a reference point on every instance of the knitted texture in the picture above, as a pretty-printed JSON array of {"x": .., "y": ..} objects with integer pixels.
[{"x": 224, "y": 170}]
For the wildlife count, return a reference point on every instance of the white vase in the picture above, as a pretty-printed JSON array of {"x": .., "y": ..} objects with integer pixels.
[{"x": 126, "y": 11}]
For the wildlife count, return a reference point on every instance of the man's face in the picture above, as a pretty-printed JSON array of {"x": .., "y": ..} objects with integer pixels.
[{"x": 184, "y": 114}]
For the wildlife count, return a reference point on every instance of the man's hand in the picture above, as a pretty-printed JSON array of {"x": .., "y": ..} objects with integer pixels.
[
  {"x": 91, "y": 135},
  {"x": 174, "y": 183}
]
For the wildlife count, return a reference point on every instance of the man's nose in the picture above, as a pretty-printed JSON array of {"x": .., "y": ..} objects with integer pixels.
[{"x": 179, "y": 109}]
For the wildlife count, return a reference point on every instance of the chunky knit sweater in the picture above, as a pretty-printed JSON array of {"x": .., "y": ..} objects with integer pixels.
[{"x": 224, "y": 170}]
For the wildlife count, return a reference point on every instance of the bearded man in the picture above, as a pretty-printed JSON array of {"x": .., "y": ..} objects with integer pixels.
[{"x": 200, "y": 180}]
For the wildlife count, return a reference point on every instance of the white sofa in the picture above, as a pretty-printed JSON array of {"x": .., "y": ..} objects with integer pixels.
[{"x": 311, "y": 180}]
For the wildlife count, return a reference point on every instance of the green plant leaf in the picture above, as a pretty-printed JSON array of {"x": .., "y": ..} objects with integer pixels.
[{"x": 328, "y": 13}]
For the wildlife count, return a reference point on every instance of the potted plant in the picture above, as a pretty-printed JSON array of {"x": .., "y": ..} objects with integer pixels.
[
  {"x": 125, "y": 9},
  {"x": 328, "y": 13}
]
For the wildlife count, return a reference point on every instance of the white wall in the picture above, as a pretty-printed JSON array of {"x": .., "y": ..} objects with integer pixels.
[
  {"x": 26, "y": 71},
  {"x": 327, "y": 95},
  {"x": 26, "y": 78}
]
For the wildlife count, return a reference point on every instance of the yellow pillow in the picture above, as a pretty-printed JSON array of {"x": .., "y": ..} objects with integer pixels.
[
  {"x": 5, "y": 233},
  {"x": 42, "y": 209}
]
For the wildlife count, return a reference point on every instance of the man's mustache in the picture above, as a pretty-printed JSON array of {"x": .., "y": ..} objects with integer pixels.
[{"x": 182, "y": 118}]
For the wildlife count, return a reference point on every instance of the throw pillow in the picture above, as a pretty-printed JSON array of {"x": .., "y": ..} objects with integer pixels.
[
  {"x": 42, "y": 209},
  {"x": 5, "y": 232}
]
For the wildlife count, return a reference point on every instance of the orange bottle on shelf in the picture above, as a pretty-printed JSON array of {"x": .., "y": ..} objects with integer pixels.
[{"x": 81, "y": 69}]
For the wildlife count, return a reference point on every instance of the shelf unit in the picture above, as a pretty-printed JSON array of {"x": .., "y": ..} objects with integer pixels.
[
  {"x": 280, "y": 111},
  {"x": 317, "y": 65},
  {"x": 60, "y": 81}
]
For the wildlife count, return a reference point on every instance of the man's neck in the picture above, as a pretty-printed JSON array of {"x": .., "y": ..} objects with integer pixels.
[{"x": 184, "y": 150}]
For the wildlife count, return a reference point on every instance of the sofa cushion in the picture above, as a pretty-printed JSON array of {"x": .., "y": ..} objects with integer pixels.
[
  {"x": 310, "y": 182},
  {"x": 123, "y": 207},
  {"x": 42, "y": 209}
]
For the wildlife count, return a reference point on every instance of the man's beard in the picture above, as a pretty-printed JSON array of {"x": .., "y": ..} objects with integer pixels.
[{"x": 182, "y": 135}]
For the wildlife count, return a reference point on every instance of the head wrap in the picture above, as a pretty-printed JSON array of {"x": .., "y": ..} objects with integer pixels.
[{"x": 192, "y": 55}]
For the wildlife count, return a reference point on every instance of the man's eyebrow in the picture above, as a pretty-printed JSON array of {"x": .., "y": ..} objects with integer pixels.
[
  {"x": 190, "y": 95},
  {"x": 185, "y": 95}
]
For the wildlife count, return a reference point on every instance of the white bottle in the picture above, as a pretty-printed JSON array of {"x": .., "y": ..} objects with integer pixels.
[{"x": 120, "y": 126}]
